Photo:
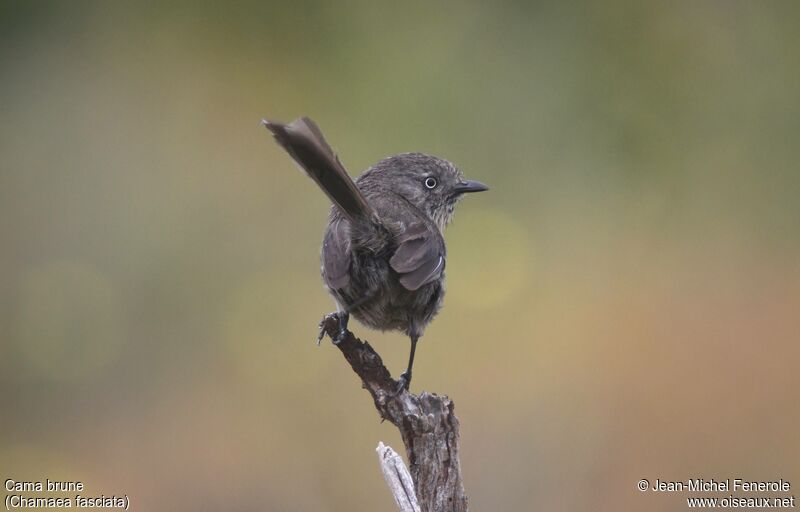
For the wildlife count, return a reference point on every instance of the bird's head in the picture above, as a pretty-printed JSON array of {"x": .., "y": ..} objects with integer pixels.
[{"x": 431, "y": 184}]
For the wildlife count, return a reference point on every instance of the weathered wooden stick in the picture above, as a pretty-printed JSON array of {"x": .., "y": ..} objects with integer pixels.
[
  {"x": 427, "y": 424},
  {"x": 398, "y": 479}
]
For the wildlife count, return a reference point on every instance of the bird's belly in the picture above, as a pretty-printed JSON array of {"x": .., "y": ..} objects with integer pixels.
[{"x": 385, "y": 305}]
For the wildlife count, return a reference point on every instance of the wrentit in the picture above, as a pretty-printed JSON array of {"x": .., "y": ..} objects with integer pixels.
[{"x": 383, "y": 253}]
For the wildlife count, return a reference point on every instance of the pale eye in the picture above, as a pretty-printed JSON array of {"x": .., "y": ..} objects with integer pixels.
[{"x": 430, "y": 182}]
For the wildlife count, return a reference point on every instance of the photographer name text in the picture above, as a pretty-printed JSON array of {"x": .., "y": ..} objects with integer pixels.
[{"x": 726, "y": 485}]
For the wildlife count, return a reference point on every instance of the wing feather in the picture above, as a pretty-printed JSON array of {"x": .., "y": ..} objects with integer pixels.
[
  {"x": 336, "y": 255},
  {"x": 419, "y": 258}
]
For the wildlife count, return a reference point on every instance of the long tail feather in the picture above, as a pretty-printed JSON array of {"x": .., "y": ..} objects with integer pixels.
[{"x": 304, "y": 142}]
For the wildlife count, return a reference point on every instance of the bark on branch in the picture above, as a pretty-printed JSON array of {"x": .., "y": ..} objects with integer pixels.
[{"x": 427, "y": 424}]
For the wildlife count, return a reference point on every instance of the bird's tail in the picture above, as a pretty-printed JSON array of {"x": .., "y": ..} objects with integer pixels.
[{"x": 304, "y": 142}]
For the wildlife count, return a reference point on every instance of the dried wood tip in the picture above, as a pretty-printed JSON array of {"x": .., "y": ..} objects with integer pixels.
[{"x": 397, "y": 478}]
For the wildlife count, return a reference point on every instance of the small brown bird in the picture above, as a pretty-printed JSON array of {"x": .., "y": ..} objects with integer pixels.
[{"x": 383, "y": 254}]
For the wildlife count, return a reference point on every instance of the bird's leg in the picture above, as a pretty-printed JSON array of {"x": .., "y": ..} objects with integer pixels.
[
  {"x": 343, "y": 317},
  {"x": 405, "y": 378}
]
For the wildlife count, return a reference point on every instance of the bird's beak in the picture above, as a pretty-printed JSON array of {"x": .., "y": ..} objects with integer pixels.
[{"x": 470, "y": 186}]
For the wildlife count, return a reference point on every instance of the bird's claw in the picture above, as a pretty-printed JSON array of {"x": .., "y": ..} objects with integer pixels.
[
  {"x": 340, "y": 336},
  {"x": 403, "y": 382}
]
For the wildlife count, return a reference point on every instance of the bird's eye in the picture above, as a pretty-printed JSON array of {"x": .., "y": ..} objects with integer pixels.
[{"x": 430, "y": 182}]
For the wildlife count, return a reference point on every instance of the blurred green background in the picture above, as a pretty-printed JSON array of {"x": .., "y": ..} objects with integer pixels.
[{"x": 623, "y": 304}]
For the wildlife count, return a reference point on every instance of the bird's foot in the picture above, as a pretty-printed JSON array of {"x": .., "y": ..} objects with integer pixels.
[
  {"x": 403, "y": 382},
  {"x": 342, "y": 319}
]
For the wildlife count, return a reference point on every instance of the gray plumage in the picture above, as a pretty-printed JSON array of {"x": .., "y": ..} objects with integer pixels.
[{"x": 383, "y": 253}]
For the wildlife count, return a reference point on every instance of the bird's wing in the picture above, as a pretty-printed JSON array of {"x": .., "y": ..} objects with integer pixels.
[
  {"x": 420, "y": 257},
  {"x": 336, "y": 255}
]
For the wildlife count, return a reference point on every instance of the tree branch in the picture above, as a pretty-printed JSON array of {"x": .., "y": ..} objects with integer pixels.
[
  {"x": 398, "y": 479},
  {"x": 427, "y": 424}
]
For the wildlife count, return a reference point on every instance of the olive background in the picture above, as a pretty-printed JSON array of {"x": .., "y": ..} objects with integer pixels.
[{"x": 623, "y": 304}]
